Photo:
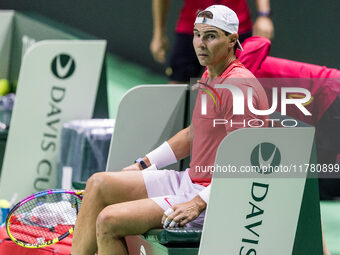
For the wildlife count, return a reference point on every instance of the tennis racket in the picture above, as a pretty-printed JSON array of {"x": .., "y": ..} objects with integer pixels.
[{"x": 44, "y": 218}]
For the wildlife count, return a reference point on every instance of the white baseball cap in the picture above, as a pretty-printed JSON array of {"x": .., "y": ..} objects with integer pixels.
[{"x": 223, "y": 18}]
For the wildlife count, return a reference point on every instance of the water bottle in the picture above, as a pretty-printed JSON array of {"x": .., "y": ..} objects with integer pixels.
[{"x": 4, "y": 210}]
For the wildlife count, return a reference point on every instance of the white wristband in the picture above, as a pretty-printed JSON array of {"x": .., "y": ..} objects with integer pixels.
[
  {"x": 205, "y": 194},
  {"x": 162, "y": 156}
]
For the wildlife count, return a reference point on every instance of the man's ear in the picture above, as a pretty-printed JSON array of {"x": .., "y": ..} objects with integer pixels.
[{"x": 233, "y": 39}]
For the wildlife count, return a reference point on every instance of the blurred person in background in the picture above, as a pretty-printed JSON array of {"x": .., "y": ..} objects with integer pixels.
[{"x": 183, "y": 62}]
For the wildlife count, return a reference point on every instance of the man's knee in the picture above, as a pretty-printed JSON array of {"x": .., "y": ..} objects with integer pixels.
[
  {"x": 96, "y": 181},
  {"x": 100, "y": 181},
  {"x": 116, "y": 187},
  {"x": 109, "y": 222}
]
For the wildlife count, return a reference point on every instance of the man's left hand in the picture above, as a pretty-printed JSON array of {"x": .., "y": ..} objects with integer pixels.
[
  {"x": 181, "y": 214},
  {"x": 133, "y": 167}
]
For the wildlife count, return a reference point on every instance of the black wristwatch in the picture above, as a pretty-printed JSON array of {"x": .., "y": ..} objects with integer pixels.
[{"x": 141, "y": 162}]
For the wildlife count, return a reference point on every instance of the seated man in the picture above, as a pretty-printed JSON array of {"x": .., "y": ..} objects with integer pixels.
[{"x": 131, "y": 202}]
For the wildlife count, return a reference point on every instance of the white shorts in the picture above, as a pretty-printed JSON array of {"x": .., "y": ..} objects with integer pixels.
[{"x": 170, "y": 187}]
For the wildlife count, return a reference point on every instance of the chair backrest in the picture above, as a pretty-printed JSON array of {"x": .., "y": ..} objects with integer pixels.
[
  {"x": 147, "y": 116},
  {"x": 261, "y": 211}
]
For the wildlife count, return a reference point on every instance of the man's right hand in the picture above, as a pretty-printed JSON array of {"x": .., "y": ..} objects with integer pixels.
[
  {"x": 133, "y": 167},
  {"x": 159, "y": 48}
]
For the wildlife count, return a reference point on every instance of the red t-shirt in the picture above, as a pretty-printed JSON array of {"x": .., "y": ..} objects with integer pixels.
[
  {"x": 206, "y": 137},
  {"x": 187, "y": 16}
]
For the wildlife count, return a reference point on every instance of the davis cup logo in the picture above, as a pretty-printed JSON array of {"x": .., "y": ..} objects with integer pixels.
[
  {"x": 265, "y": 156},
  {"x": 63, "y": 66}
]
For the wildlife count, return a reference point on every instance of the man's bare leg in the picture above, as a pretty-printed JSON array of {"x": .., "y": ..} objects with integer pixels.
[
  {"x": 128, "y": 218},
  {"x": 103, "y": 189}
]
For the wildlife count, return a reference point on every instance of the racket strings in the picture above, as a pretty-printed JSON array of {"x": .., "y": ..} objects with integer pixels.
[{"x": 44, "y": 218}]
